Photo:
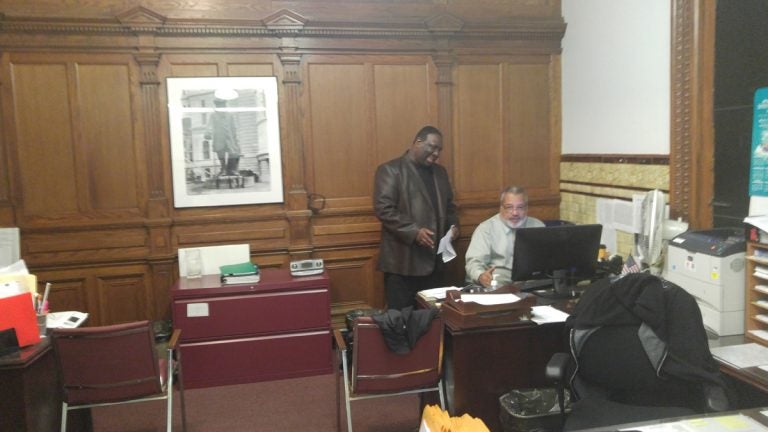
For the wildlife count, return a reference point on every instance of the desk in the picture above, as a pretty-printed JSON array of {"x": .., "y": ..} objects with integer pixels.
[
  {"x": 753, "y": 413},
  {"x": 482, "y": 364},
  {"x": 30, "y": 394},
  {"x": 277, "y": 328}
]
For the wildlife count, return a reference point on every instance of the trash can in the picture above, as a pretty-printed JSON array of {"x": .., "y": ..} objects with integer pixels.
[{"x": 531, "y": 410}]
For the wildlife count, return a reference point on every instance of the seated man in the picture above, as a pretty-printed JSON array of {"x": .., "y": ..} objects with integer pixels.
[{"x": 493, "y": 242}]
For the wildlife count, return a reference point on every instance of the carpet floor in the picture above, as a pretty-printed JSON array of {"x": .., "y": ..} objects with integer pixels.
[{"x": 291, "y": 405}]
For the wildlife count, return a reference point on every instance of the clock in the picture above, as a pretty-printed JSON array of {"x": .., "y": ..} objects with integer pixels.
[{"x": 307, "y": 267}]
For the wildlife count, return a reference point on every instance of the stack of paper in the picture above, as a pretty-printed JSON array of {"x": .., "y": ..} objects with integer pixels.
[{"x": 242, "y": 273}]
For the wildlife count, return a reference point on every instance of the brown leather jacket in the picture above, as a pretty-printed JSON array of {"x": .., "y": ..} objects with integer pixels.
[{"x": 402, "y": 204}]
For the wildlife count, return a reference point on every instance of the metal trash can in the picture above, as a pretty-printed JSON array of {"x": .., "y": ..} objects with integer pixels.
[{"x": 531, "y": 410}]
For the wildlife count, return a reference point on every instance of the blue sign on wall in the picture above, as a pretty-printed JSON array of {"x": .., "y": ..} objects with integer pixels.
[{"x": 758, "y": 173}]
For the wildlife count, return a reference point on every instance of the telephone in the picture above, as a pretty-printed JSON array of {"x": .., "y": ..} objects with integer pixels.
[{"x": 68, "y": 319}]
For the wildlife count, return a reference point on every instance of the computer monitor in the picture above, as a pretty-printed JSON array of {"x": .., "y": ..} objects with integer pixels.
[{"x": 565, "y": 254}]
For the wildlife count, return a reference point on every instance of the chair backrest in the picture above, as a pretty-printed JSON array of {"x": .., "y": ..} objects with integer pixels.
[
  {"x": 107, "y": 364},
  {"x": 614, "y": 363},
  {"x": 377, "y": 369}
]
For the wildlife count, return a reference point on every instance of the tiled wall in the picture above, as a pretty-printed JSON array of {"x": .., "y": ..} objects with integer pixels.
[{"x": 585, "y": 178}]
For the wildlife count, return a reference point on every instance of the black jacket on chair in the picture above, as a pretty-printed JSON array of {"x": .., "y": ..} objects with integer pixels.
[
  {"x": 671, "y": 328},
  {"x": 639, "y": 351}
]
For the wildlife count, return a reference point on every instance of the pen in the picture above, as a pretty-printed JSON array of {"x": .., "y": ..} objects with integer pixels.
[{"x": 45, "y": 297}]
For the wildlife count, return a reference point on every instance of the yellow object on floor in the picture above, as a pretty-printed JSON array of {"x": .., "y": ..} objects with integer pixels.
[{"x": 434, "y": 419}]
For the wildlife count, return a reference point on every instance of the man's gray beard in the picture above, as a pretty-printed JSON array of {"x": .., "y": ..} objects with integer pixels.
[{"x": 514, "y": 226}]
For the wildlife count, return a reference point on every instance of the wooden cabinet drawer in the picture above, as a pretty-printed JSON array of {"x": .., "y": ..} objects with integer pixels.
[
  {"x": 251, "y": 359},
  {"x": 252, "y": 314}
]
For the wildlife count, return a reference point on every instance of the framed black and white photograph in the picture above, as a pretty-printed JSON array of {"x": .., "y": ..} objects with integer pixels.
[{"x": 225, "y": 141}]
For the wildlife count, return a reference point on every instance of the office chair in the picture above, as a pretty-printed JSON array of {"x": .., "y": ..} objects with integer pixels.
[
  {"x": 376, "y": 371},
  {"x": 639, "y": 352},
  {"x": 116, "y": 364}
]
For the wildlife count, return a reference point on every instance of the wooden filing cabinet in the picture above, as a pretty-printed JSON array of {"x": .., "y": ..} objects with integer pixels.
[{"x": 277, "y": 328}]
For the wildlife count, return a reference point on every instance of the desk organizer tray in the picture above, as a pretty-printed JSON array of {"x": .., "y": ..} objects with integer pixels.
[{"x": 464, "y": 315}]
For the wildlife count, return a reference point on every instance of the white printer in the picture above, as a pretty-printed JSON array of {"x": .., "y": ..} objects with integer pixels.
[{"x": 710, "y": 265}]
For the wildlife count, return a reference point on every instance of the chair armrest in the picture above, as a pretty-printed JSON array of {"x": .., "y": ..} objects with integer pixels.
[
  {"x": 716, "y": 398},
  {"x": 173, "y": 342},
  {"x": 338, "y": 338},
  {"x": 557, "y": 367}
]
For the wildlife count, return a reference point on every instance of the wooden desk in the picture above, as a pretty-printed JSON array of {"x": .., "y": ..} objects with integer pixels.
[
  {"x": 30, "y": 393},
  {"x": 277, "y": 328},
  {"x": 483, "y": 364},
  {"x": 753, "y": 413}
]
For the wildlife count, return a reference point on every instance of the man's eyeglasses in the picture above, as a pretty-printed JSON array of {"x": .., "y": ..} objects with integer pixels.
[
  {"x": 520, "y": 208},
  {"x": 432, "y": 148}
]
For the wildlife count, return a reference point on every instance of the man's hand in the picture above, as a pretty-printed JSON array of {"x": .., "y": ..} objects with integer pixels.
[
  {"x": 425, "y": 238},
  {"x": 454, "y": 232},
  {"x": 486, "y": 277}
]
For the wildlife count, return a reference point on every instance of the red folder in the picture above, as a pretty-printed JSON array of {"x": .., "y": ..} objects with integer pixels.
[{"x": 18, "y": 312}]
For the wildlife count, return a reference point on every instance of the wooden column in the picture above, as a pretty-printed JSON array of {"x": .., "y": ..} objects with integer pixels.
[{"x": 299, "y": 216}]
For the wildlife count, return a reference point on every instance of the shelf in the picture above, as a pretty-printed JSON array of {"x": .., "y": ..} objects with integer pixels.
[
  {"x": 758, "y": 260},
  {"x": 756, "y": 298},
  {"x": 761, "y": 335}
]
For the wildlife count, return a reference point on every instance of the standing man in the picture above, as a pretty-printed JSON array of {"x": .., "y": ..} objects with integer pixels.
[
  {"x": 413, "y": 199},
  {"x": 493, "y": 242}
]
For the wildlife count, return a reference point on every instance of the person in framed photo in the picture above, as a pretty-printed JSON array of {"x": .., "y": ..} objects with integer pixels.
[{"x": 222, "y": 131}]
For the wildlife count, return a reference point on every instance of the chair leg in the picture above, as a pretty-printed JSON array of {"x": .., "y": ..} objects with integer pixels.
[
  {"x": 346, "y": 392},
  {"x": 442, "y": 394},
  {"x": 63, "y": 417},
  {"x": 181, "y": 396},
  {"x": 169, "y": 398}
]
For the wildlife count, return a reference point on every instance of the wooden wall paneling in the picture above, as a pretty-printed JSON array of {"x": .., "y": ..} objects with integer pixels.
[
  {"x": 68, "y": 293},
  {"x": 123, "y": 294},
  {"x": 84, "y": 246},
  {"x": 444, "y": 68},
  {"x": 88, "y": 154},
  {"x": 384, "y": 11},
  {"x": 293, "y": 154},
  {"x": 261, "y": 234},
  {"x": 356, "y": 82},
  {"x": 479, "y": 166},
  {"x": 340, "y": 114},
  {"x": 355, "y": 283},
  {"x": 46, "y": 163},
  {"x": 7, "y": 217},
  {"x": 529, "y": 151},
  {"x": 107, "y": 141},
  {"x": 162, "y": 275},
  {"x": 405, "y": 100},
  {"x": 109, "y": 294}
]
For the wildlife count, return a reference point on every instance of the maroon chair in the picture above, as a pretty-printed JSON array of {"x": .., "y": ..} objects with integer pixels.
[
  {"x": 376, "y": 371},
  {"x": 116, "y": 364}
]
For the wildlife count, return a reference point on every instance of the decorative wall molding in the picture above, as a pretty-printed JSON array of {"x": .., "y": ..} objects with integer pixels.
[
  {"x": 286, "y": 23},
  {"x": 617, "y": 159}
]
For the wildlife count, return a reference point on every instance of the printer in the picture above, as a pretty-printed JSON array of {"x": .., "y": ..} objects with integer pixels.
[{"x": 710, "y": 265}]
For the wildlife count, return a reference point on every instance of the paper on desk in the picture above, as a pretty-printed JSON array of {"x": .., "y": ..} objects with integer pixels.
[
  {"x": 490, "y": 299},
  {"x": 446, "y": 247},
  {"x": 547, "y": 314},
  {"x": 742, "y": 356},
  {"x": 760, "y": 221},
  {"x": 732, "y": 423},
  {"x": 436, "y": 293}
]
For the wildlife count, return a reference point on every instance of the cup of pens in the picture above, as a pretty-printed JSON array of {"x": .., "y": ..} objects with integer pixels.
[
  {"x": 42, "y": 323},
  {"x": 41, "y": 309}
]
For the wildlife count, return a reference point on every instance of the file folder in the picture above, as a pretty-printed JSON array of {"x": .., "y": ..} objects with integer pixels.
[{"x": 18, "y": 312}]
